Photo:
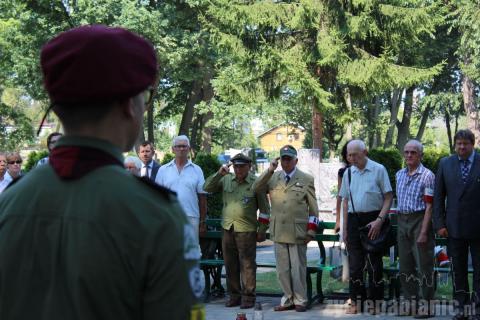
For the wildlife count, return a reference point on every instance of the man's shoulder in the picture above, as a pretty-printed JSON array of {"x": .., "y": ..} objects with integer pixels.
[{"x": 304, "y": 176}]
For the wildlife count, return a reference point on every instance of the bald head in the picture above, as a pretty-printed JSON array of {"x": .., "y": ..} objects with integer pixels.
[{"x": 357, "y": 153}]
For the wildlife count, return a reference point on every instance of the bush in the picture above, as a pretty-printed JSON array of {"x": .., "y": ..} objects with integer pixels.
[
  {"x": 33, "y": 158},
  {"x": 431, "y": 158},
  {"x": 210, "y": 164},
  {"x": 167, "y": 158},
  {"x": 391, "y": 159}
]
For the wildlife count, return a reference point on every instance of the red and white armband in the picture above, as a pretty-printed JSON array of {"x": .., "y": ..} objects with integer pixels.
[
  {"x": 428, "y": 195},
  {"x": 312, "y": 223},
  {"x": 264, "y": 218}
]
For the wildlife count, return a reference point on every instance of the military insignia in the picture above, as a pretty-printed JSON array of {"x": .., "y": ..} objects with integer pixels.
[
  {"x": 198, "y": 312},
  {"x": 191, "y": 249},
  {"x": 197, "y": 281}
]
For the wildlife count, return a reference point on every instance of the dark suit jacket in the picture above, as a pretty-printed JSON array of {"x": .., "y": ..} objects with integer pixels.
[
  {"x": 155, "y": 167},
  {"x": 456, "y": 205}
]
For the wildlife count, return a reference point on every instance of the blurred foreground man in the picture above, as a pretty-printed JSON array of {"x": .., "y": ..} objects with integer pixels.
[{"x": 95, "y": 242}]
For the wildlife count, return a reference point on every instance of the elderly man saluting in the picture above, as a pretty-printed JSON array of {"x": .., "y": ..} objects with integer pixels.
[
  {"x": 293, "y": 224},
  {"x": 240, "y": 230},
  {"x": 367, "y": 191}
]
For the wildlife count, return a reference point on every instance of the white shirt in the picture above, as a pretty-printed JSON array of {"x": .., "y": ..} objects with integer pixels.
[
  {"x": 144, "y": 172},
  {"x": 368, "y": 187},
  {"x": 187, "y": 184},
  {"x": 4, "y": 183}
]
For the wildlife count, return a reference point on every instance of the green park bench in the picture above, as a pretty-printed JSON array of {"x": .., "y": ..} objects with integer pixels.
[
  {"x": 392, "y": 268},
  {"x": 212, "y": 264}
]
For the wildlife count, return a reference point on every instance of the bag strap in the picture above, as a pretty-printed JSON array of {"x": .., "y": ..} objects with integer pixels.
[{"x": 349, "y": 173}]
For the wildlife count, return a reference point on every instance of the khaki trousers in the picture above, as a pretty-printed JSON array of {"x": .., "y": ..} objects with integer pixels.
[
  {"x": 239, "y": 252},
  {"x": 416, "y": 262},
  {"x": 292, "y": 272}
]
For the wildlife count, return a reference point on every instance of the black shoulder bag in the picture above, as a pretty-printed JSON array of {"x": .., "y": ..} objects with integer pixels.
[{"x": 384, "y": 239}]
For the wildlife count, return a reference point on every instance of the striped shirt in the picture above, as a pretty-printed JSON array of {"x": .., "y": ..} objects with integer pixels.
[{"x": 414, "y": 191}]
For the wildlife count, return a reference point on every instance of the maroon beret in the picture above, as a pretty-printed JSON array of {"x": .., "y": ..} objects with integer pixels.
[{"x": 97, "y": 64}]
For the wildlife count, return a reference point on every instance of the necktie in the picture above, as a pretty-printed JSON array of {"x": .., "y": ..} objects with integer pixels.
[
  {"x": 465, "y": 170},
  {"x": 147, "y": 171},
  {"x": 287, "y": 179}
]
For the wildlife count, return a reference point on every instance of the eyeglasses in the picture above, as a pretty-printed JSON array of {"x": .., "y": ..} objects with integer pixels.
[
  {"x": 180, "y": 146},
  {"x": 13, "y": 162},
  {"x": 410, "y": 152}
]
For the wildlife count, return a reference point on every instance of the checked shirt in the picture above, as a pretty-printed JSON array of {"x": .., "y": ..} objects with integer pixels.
[{"x": 415, "y": 190}]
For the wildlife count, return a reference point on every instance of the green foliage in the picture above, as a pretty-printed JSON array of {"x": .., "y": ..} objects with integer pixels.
[
  {"x": 15, "y": 128},
  {"x": 167, "y": 158},
  {"x": 432, "y": 156},
  {"x": 33, "y": 158},
  {"x": 210, "y": 164},
  {"x": 391, "y": 160}
]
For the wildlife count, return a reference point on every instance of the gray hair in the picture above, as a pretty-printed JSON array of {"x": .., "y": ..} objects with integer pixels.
[
  {"x": 357, "y": 144},
  {"x": 417, "y": 144},
  {"x": 135, "y": 160},
  {"x": 180, "y": 138}
]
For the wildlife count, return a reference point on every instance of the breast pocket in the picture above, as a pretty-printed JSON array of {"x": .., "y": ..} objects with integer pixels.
[{"x": 298, "y": 193}]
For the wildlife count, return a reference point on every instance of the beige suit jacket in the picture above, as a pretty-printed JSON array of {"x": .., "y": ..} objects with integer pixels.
[{"x": 291, "y": 205}]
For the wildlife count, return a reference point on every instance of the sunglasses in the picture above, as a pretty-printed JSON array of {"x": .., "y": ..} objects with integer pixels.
[{"x": 13, "y": 162}]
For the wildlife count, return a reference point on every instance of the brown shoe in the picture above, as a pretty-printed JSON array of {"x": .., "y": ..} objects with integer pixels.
[
  {"x": 232, "y": 303},
  {"x": 300, "y": 308},
  {"x": 247, "y": 304},
  {"x": 352, "y": 309},
  {"x": 284, "y": 308}
]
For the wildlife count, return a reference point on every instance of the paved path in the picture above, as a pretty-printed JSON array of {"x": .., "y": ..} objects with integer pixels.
[{"x": 216, "y": 311}]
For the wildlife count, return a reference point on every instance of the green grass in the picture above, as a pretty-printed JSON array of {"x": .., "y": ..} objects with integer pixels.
[{"x": 267, "y": 283}]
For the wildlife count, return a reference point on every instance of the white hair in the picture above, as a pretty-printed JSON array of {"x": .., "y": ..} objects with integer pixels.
[
  {"x": 357, "y": 144},
  {"x": 134, "y": 160},
  {"x": 417, "y": 144},
  {"x": 180, "y": 138}
]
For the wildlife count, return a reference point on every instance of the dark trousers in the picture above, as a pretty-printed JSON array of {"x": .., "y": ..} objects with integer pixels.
[
  {"x": 359, "y": 259},
  {"x": 458, "y": 253},
  {"x": 239, "y": 252}
]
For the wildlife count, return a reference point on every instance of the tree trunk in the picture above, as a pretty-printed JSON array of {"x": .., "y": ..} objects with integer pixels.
[
  {"x": 348, "y": 103},
  {"x": 376, "y": 113},
  {"x": 394, "y": 106},
  {"x": 470, "y": 108},
  {"x": 449, "y": 131},
  {"x": 423, "y": 123},
  {"x": 150, "y": 111},
  {"x": 317, "y": 130},
  {"x": 194, "y": 97},
  {"x": 404, "y": 126},
  {"x": 207, "y": 130}
]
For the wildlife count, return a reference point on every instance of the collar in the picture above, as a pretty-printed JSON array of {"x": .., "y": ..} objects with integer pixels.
[
  {"x": 420, "y": 169},
  {"x": 291, "y": 174},
  {"x": 172, "y": 163},
  {"x": 149, "y": 165},
  {"x": 470, "y": 157},
  {"x": 104, "y": 145},
  {"x": 74, "y": 157},
  {"x": 368, "y": 166},
  {"x": 249, "y": 179}
]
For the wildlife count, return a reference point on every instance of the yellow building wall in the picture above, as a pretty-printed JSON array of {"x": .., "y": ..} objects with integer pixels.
[{"x": 280, "y": 136}]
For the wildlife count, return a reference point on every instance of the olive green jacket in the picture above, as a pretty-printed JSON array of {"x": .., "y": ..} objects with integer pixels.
[
  {"x": 240, "y": 202},
  {"x": 104, "y": 246},
  {"x": 292, "y": 205}
]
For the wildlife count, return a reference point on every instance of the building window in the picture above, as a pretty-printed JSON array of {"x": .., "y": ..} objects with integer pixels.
[{"x": 279, "y": 137}]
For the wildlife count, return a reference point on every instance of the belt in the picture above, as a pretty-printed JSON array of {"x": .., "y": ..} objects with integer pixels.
[
  {"x": 368, "y": 212},
  {"x": 412, "y": 212}
]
